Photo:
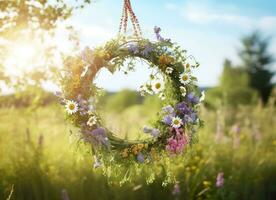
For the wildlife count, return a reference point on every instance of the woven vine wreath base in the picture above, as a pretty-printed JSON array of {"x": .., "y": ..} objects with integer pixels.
[{"x": 172, "y": 131}]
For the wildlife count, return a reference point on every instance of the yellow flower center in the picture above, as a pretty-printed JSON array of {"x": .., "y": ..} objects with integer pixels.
[
  {"x": 158, "y": 85},
  {"x": 185, "y": 77},
  {"x": 71, "y": 106},
  {"x": 176, "y": 122}
]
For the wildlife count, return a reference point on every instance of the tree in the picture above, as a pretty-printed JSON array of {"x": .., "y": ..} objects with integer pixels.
[
  {"x": 26, "y": 27},
  {"x": 256, "y": 60},
  {"x": 18, "y": 15},
  {"x": 233, "y": 88}
]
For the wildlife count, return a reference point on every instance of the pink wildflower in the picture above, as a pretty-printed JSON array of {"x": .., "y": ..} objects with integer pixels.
[
  {"x": 177, "y": 142},
  {"x": 220, "y": 180}
]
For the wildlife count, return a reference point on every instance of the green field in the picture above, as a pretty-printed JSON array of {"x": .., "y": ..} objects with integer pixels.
[{"x": 40, "y": 159}]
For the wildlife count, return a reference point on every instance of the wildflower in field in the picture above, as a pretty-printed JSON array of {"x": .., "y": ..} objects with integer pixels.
[
  {"x": 92, "y": 121},
  {"x": 206, "y": 184},
  {"x": 176, "y": 189},
  {"x": 157, "y": 86},
  {"x": 185, "y": 78},
  {"x": 169, "y": 70},
  {"x": 176, "y": 122},
  {"x": 183, "y": 91},
  {"x": 220, "y": 180},
  {"x": 71, "y": 107}
]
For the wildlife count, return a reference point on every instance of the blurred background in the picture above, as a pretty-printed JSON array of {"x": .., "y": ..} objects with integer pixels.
[{"x": 235, "y": 43}]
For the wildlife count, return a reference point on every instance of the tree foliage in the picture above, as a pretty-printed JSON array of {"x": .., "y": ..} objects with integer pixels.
[
  {"x": 257, "y": 60},
  {"x": 233, "y": 88},
  {"x": 32, "y": 14}
]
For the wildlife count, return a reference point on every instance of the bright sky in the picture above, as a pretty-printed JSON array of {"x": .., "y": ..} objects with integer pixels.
[{"x": 209, "y": 29}]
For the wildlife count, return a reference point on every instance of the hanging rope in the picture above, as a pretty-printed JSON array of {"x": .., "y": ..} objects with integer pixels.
[{"x": 128, "y": 11}]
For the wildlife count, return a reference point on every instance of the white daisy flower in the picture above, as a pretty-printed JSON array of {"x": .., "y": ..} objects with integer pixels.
[
  {"x": 157, "y": 86},
  {"x": 202, "y": 97},
  {"x": 92, "y": 121},
  {"x": 176, "y": 122},
  {"x": 71, "y": 107},
  {"x": 185, "y": 78},
  {"x": 183, "y": 91},
  {"x": 169, "y": 70}
]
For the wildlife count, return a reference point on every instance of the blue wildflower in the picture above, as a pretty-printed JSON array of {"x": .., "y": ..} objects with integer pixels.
[
  {"x": 183, "y": 108},
  {"x": 192, "y": 98},
  {"x": 157, "y": 31},
  {"x": 133, "y": 48},
  {"x": 168, "y": 109},
  {"x": 148, "y": 49},
  {"x": 155, "y": 133},
  {"x": 147, "y": 129},
  {"x": 140, "y": 158},
  {"x": 167, "y": 119}
]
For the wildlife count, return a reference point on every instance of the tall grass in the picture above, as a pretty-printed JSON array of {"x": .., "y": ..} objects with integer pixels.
[{"x": 39, "y": 159}]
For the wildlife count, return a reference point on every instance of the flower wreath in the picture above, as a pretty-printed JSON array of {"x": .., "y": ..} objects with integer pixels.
[{"x": 173, "y": 82}]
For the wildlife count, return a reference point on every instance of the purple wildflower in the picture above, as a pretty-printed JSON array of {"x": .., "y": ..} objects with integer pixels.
[
  {"x": 176, "y": 190},
  {"x": 83, "y": 105},
  {"x": 220, "y": 180},
  {"x": 147, "y": 129},
  {"x": 148, "y": 49},
  {"x": 157, "y": 31},
  {"x": 183, "y": 108},
  {"x": 167, "y": 119},
  {"x": 192, "y": 98},
  {"x": 133, "y": 48},
  {"x": 98, "y": 136},
  {"x": 168, "y": 109},
  {"x": 191, "y": 118},
  {"x": 140, "y": 158},
  {"x": 155, "y": 133}
]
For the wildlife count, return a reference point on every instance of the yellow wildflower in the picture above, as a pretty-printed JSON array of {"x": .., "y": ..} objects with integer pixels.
[{"x": 165, "y": 60}]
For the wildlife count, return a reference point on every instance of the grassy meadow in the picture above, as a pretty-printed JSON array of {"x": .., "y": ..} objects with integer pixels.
[{"x": 41, "y": 159}]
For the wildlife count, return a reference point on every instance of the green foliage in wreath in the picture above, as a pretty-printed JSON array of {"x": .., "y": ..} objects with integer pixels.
[{"x": 168, "y": 136}]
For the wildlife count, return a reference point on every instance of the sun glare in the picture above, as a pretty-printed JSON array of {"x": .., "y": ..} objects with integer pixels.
[{"x": 21, "y": 58}]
